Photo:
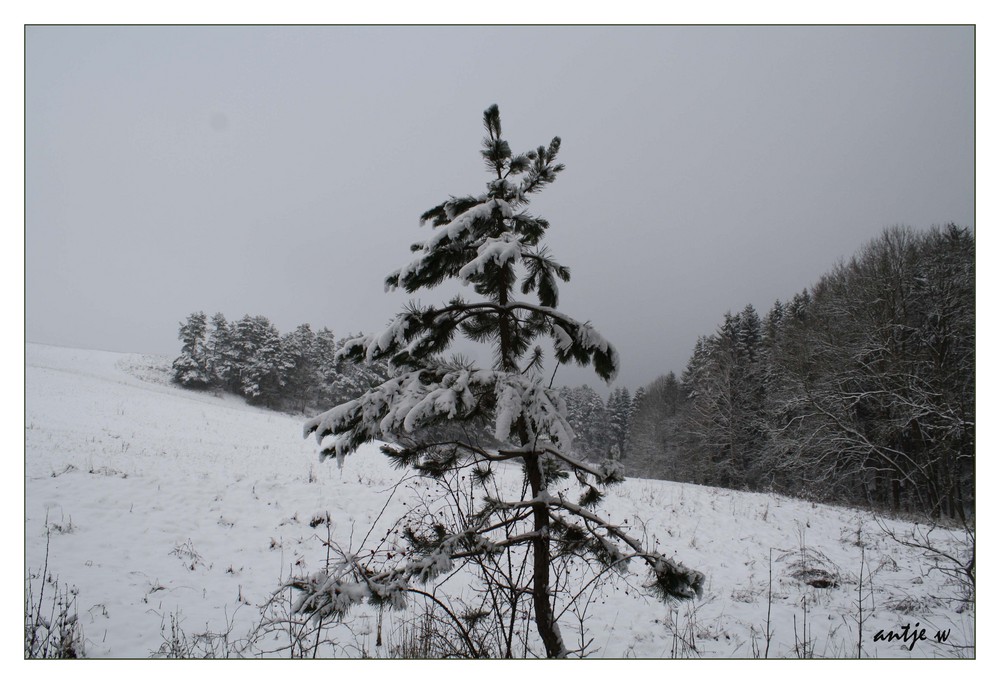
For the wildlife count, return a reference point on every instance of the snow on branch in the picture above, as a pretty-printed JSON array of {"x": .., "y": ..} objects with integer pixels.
[
  {"x": 424, "y": 397},
  {"x": 417, "y": 331},
  {"x": 543, "y": 410},
  {"x": 580, "y": 342},
  {"x": 468, "y": 226},
  {"x": 349, "y": 584},
  {"x": 671, "y": 579},
  {"x": 494, "y": 250}
]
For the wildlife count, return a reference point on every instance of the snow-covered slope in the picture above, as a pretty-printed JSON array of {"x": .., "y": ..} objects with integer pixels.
[{"x": 173, "y": 513}]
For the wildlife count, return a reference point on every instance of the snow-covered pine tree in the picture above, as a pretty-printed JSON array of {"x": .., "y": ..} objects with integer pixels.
[
  {"x": 221, "y": 355},
  {"x": 725, "y": 424},
  {"x": 261, "y": 363},
  {"x": 620, "y": 416},
  {"x": 488, "y": 242},
  {"x": 299, "y": 350},
  {"x": 353, "y": 379},
  {"x": 325, "y": 350},
  {"x": 653, "y": 428},
  {"x": 642, "y": 447},
  {"x": 587, "y": 415},
  {"x": 191, "y": 367}
]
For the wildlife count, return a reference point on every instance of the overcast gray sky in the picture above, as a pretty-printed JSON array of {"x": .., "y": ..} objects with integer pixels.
[{"x": 282, "y": 170}]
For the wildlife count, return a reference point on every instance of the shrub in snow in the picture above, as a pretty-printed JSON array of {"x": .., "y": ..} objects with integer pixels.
[{"x": 488, "y": 242}]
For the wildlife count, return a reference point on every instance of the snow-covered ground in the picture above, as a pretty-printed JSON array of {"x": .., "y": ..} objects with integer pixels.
[{"x": 174, "y": 513}]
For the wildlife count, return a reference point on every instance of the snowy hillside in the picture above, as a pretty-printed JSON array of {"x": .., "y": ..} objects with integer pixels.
[{"x": 173, "y": 514}]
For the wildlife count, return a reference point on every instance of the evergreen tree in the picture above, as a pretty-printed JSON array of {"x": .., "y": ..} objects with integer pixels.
[
  {"x": 191, "y": 367},
  {"x": 773, "y": 325},
  {"x": 325, "y": 351},
  {"x": 492, "y": 244},
  {"x": 724, "y": 427},
  {"x": 261, "y": 363},
  {"x": 299, "y": 356},
  {"x": 653, "y": 430},
  {"x": 858, "y": 390},
  {"x": 620, "y": 417},
  {"x": 587, "y": 415},
  {"x": 221, "y": 354},
  {"x": 637, "y": 399},
  {"x": 640, "y": 437},
  {"x": 353, "y": 378}
]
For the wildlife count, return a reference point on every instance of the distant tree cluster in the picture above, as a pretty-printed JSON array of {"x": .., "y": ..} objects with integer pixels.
[
  {"x": 600, "y": 429},
  {"x": 858, "y": 390},
  {"x": 250, "y": 357},
  {"x": 652, "y": 439}
]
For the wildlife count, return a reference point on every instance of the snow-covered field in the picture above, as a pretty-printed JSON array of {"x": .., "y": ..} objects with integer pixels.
[{"x": 173, "y": 513}]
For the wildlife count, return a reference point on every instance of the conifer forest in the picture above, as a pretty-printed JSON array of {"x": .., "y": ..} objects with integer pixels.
[{"x": 858, "y": 390}]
